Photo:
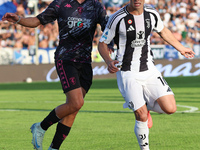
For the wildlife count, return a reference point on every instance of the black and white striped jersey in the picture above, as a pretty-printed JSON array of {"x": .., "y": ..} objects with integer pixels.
[{"x": 131, "y": 34}]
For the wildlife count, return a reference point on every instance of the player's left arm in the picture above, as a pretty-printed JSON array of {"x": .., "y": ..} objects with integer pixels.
[{"x": 167, "y": 35}]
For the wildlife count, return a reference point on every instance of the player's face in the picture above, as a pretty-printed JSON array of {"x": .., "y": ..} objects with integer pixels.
[{"x": 137, "y": 4}]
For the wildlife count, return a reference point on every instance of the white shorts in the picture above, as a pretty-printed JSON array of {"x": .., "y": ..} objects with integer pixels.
[{"x": 141, "y": 88}]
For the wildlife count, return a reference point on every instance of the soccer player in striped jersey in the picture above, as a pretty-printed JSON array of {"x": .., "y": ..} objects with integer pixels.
[{"x": 139, "y": 82}]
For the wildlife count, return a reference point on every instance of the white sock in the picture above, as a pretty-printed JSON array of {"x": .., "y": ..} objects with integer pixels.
[
  {"x": 142, "y": 133},
  {"x": 156, "y": 108}
]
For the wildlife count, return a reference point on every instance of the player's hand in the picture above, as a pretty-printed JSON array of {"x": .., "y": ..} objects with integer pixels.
[
  {"x": 111, "y": 66},
  {"x": 187, "y": 52},
  {"x": 11, "y": 17}
]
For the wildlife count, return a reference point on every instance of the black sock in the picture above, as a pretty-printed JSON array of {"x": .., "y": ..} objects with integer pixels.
[
  {"x": 61, "y": 133},
  {"x": 49, "y": 120}
]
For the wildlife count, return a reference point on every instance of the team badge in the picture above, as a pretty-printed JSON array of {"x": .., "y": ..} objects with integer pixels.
[
  {"x": 72, "y": 80},
  {"x": 130, "y": 21},
  {"x": 80, "y": 10},
  {"x": 148, "y": 23}
]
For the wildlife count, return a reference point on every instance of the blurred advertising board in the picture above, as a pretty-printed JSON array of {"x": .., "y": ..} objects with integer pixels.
[
  {"x": 47, "y": 72},
  {"x": 46, "y": 56}
]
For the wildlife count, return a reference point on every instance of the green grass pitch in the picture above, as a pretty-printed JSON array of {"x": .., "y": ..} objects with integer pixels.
[{"x": 102, "y": 123}]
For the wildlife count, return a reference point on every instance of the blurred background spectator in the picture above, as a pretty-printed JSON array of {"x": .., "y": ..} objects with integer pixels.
[{"x": 182, "y": 17}]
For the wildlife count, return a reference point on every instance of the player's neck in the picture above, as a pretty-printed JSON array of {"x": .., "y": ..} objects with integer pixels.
[
  {"x": 81, "y": 1},
  {"x": 134, "y": 11}
]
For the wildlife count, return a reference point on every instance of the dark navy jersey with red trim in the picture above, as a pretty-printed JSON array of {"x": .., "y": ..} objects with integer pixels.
[{"x": 77, "y": 23}]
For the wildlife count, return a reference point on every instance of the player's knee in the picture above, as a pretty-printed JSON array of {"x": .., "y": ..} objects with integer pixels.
[
  {"x": 171, "y": 110},
  {"x": 141, "y": 116},
  {"x": 78, "y": 105}
]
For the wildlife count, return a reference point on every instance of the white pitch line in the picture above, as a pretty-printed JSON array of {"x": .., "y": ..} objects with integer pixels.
[
  {"x": 10, "y": 109},
  {"x": 191, "y": 109}
]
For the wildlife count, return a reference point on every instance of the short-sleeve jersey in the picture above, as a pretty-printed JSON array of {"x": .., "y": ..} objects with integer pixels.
[
  {"x": 131, "y": 34},
  {"x": 77, "y": 23}
]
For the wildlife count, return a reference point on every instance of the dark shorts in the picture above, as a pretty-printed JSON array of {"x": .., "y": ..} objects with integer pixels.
[{"x": 74, "y": 75}]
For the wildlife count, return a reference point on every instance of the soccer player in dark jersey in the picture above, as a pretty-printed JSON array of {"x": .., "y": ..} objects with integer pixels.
[
  {"x": 77, "y": 20},
  {"x": 138, "y": 79}
]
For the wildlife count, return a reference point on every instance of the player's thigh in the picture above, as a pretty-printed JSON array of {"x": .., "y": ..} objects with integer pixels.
[
  {"x": 68, "y": 74},
  {"x": 132, "y": 91},
  {"x": 75, "y": 96},
  {"x": 167, "y": 103},
  {"x": 155, "y": 88},
  {"x": 86, "y": 75}
]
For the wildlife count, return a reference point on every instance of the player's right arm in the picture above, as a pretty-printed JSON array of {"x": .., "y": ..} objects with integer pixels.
[
  {"x": 102, "y": 47},
  {"x": 31, "y": 22},
  {"x": 106, "y": 38},
  {"x": 49, "y": 15}
]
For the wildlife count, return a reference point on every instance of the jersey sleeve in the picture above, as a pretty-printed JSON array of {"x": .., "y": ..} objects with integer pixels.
[
  {"x": 50, "y": 14},
  {"x": 109, "y": 32},
  {"x": 159, "y": 25}
]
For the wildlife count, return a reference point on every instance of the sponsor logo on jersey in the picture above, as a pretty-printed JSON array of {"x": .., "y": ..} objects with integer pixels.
[
  {"x": 140, "y": 35},
  {"x": 78, "y": 22},
  {"x": 139, "y": 41},
  {"x": 130, "y": 28}
]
